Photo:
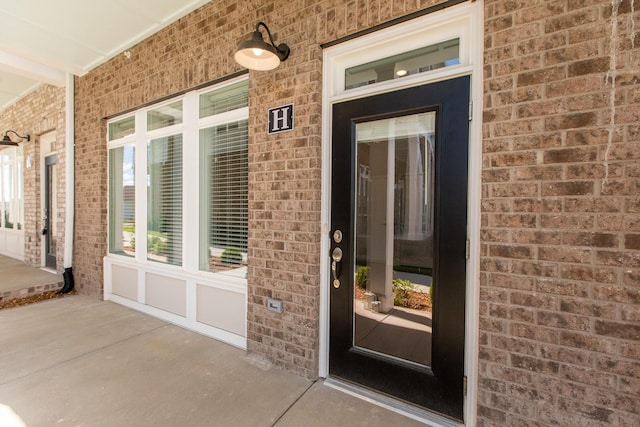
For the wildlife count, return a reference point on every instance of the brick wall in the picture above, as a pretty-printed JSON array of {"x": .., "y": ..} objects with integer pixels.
[
  {"x": 560, "y": 283},
  {"x": 285, "y": 178},
  {"x": 284, "y": 170},
  {"x": 39, "y": 112},
  {"x": 560, "y": 227}
]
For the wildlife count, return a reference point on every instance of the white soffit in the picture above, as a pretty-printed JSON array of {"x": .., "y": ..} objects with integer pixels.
[
  {"x": 13, "y": 87},
  {"x": 44, "y": 39}
]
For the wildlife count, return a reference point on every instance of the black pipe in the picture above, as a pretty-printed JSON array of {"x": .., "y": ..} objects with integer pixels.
[{"x": 68, "y": 285}]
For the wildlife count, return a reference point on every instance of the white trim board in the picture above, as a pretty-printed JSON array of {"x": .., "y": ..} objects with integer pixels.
[{"x": 463, "y": 21}]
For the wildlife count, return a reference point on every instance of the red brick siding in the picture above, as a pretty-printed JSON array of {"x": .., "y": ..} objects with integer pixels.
[
  {"x": 39, "y": 112},
  {"x": 284, "y": 169},
  {"x": 559, "y": 286},
  {"x": 560, "y": 282}
]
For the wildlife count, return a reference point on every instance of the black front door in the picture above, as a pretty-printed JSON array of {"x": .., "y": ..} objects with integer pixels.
[
  {"x": 50, "y": 211},
  {"x": 398, "y": 244}
]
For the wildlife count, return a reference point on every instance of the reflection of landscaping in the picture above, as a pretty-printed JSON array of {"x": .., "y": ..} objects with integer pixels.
[
  {"x": 405, "y": 331},
  {"x": 412, "y": 262},
  {"x": 129, "y": 239},
  {"x": 157, "y": 243},
  {"x": 8, "y": 223},
  {"x": 405, "y": 293},
  {"x": 229, "y": 260},
  {"x": 158, "y": 246}
]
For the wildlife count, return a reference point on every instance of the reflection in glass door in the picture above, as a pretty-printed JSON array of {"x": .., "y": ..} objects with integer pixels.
[{"x": 394, "y": 237}]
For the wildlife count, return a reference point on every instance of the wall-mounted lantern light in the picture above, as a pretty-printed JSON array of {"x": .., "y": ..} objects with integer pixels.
[
  {"x": 7, "y": 141},
  {"x": 256, "y": 54}
]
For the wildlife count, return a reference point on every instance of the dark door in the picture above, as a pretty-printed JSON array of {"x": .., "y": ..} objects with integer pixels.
[
  {"x": 50, "y": 211},
  {"x": 398, "y": 244}
]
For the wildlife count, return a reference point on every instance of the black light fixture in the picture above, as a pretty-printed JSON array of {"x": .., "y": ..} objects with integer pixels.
[
  {"x": 7, "y": 141},
  {"x": 256, "y": 54}
]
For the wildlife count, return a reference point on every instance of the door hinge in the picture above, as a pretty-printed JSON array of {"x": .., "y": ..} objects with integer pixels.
[
  {"x": 464, "y": 385},
  {"x": 467, "y": 250},
  {"x": 470, "y": 110}
]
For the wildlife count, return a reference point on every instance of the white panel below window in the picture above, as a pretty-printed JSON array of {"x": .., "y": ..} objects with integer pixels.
[
  {"x": 125, "y": 282},
  {"x": 12, "y": 244},
  {"x": 221, "y": 309},
  {"x": 214, "y": 306},
  {"x": 166, "y": 293}
]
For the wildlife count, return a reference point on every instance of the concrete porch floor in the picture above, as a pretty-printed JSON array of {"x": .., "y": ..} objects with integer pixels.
[
  {"x": 17, "y": 279},
  {"x": 80, "y": 362}
]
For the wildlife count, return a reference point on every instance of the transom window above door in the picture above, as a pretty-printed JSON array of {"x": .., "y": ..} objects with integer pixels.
[
  {"x": 432, "y": 57},
  {"x": 421, "y": 49}
]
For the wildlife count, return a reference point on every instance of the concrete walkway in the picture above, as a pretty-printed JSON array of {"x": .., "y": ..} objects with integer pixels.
[
  {"x": 80, "y": 362},
  {"x": 20, "y": 280}
]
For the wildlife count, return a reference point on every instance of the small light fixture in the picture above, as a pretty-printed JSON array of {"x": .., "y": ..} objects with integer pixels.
[
  {"x": 401, "y": 72},
  {"x": 256, "y": 54},
  {"x": 7, "y": 141}
]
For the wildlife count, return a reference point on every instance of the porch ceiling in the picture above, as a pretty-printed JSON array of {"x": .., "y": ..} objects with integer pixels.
[{"x": 42, "y": 39}]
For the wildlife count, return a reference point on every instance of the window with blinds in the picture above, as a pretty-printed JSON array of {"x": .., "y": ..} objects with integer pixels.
[
  {"x": 191, "y": 211},
  {"x": 223, "y": 196},
  {"x": 224, "y": 183},
  {"x": 11, "y": 188},
  {"x": 122, "y": 200},
  {"x": 164, "y": 200}
]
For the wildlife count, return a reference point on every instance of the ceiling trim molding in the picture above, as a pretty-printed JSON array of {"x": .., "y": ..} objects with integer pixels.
[{"x": 31, "y": 69}]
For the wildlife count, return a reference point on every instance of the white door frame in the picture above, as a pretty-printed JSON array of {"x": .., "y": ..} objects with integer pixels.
[
  {"x": 466, "y": 22},
  {"x": 47, "y": 148}
]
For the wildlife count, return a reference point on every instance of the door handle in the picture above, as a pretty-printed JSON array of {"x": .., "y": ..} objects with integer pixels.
[{"x": 336, "y": 256}]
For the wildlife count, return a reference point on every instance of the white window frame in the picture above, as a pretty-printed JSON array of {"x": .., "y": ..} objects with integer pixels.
[
  {"x": 189, "y": 271},
  {"x": 189, "y": 129},
  {"x": 425, "y": 31},
  {"x": 464, "y": 21},
  {"x": 14, "y": 158},
  {"x": 12, "y": 239},
  {"x": 236, "y": 115}
]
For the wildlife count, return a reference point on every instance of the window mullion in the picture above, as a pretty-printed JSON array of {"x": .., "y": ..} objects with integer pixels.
[
  {"x": 141, "y": 186},
  {"x": 191, "y": 181}
]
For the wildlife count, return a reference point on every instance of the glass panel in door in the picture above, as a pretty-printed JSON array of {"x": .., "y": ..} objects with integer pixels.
[{"x": 394, "y": 237}]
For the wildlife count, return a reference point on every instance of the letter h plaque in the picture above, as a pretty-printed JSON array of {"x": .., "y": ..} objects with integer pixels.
[{"x": 281, "y": 119}]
